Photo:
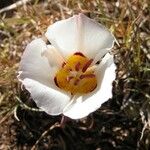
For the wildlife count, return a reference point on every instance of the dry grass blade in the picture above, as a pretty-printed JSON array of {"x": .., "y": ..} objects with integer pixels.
[{"x": 14, "y": 5}]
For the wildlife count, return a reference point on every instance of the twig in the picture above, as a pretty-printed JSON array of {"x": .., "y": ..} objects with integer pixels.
[
  {"x": 44, "y": 133},
  {"x": 14, "y": 5},
  {"x": 27, "y": 107}
]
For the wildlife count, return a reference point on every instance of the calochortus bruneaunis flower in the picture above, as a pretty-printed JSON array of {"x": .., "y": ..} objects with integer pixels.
[{"x": 73, "y": 75}]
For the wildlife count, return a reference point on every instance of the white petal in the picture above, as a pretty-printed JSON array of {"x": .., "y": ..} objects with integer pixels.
[
  {"x": 33, "y": 65},
  {"x": 48, "y": 99},
  {"x": 96, "y": 38},
  {"x": 80, "y": 33},
  {"x": 53, "y": 56},
  {"x": 62, "y": 35},
  {"x": 92, "y": 101}
]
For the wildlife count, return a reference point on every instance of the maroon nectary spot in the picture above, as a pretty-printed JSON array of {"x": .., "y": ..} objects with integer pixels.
[
  {"x": 77, "y": 66},
  {"x": 87, "y": 65},
  {"x": 79, "y": 53},
  {"x": 87, "y": 76},
  {"x": 55, "y": 80}
]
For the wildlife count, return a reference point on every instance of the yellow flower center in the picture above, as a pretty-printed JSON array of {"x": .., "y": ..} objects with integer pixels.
[{"x": 75, "y": 75}]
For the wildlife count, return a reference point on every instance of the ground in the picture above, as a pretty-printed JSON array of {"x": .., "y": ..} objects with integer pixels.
[{"x": 122, "y": 123}]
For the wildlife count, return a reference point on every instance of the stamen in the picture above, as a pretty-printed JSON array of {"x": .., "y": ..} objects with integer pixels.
[
  {"x": 87, "y": 76},
  {"x": 87, "y": 65},
  {"x": 77, "y": 66},
  {"x": 69, "y": 78}
]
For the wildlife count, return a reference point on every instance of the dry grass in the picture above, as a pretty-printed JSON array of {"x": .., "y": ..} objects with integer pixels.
[{"x": 129, "y": 21}]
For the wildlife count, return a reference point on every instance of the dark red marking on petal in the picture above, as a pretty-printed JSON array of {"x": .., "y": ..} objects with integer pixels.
[
  {"x": 77, "y": 66},
  {"x": 79, "y": 53},
  {"x": 87, "y": 65},
  {"x": 63, "y": 64},
  {"x": 87, "y": 76},
  {"x": 55, "y": 80},
  {"x": 93, "y": 88},
  {"x": 98, "y": 62}
]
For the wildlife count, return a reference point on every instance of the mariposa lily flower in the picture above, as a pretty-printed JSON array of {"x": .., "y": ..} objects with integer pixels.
[{"x": 73, "y": 75}]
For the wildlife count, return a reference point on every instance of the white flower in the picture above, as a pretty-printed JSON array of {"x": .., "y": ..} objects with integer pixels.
[{"x": 72, "y": 76}]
